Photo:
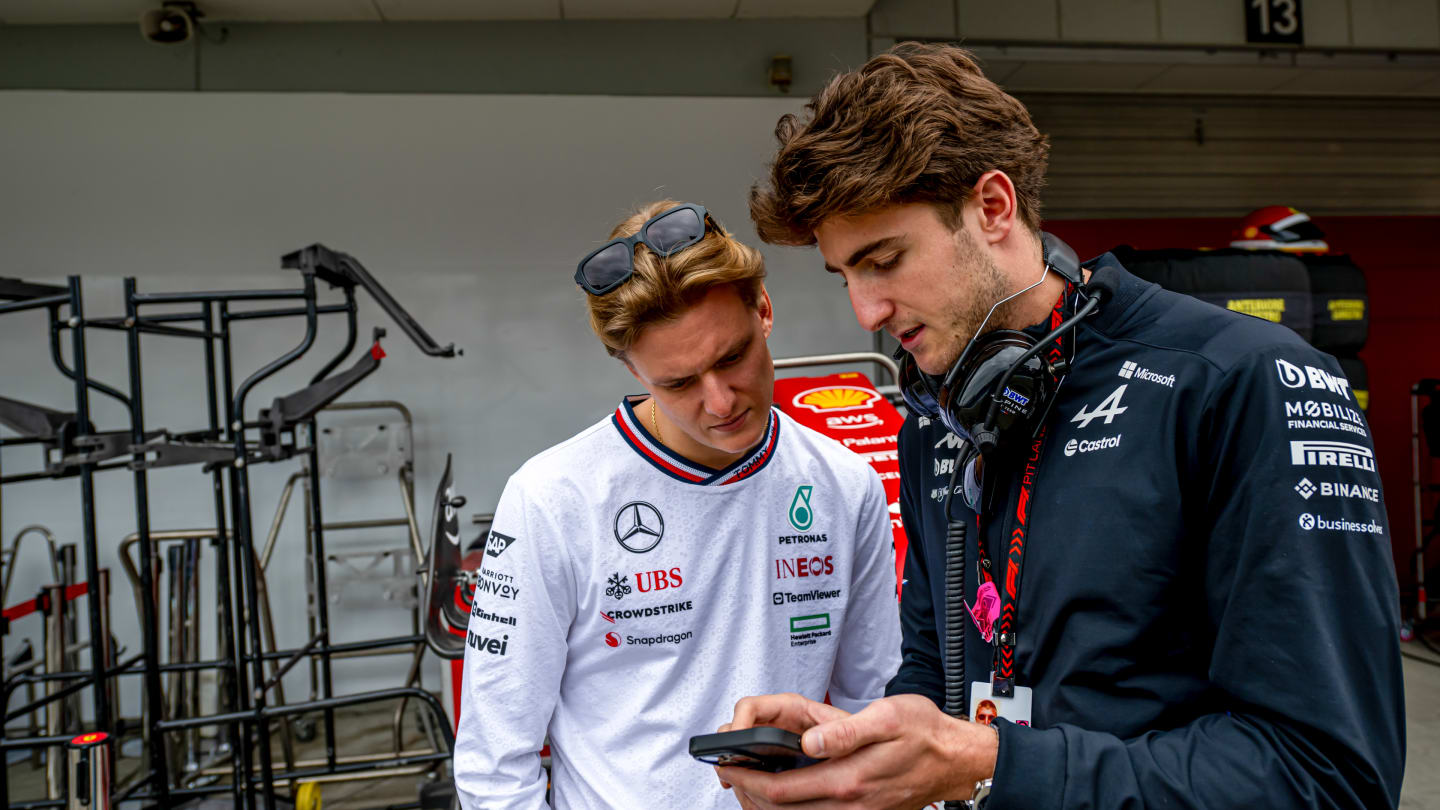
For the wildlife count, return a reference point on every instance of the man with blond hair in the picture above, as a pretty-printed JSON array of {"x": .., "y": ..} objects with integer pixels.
[
  {"x": 1177, "y": 588},
  {"x": 691, "y": 548}
]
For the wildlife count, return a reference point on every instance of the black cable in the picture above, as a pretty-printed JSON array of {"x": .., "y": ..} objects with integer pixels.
[{"x": 954, "y": 650}]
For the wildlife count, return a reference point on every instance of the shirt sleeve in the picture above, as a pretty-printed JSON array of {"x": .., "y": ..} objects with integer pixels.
[
  {"x": 869, "y": 649},
  {"x": 921, "y": 670},
  {"x": 1299, "y": 588},
  {"x": 515, "y": 654}
]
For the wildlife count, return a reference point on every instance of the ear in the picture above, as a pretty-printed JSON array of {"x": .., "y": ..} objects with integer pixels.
[
  {"x": 765, "y": 310},
  {"x": 995, "y": 206}
]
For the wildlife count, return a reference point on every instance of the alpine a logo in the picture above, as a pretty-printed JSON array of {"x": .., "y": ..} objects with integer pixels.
[
  {"x": 832, "y": 398},
  {"x": 1331, "y": 454},
  {"x": 639, "y": 527},
  {"x": 950, "y": 442},
  {"x": 1109, "y": 408},
  {"x": 1291, "y": 376},
  {"x": 497, "y": 544}
]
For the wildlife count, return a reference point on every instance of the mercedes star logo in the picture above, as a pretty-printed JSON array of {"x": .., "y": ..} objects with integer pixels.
[{"x": 639, "y": 527}]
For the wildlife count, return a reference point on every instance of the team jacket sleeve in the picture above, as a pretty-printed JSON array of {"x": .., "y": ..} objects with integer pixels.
[
  {"x": 920, "y": 670},
  {"x": 1301, "y": 596},
  {"x": 514, "y": 656},
  {"x": 869, "y": 649}
]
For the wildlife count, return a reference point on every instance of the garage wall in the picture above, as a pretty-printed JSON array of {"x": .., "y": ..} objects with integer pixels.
[{"x": 471, "y": 209}]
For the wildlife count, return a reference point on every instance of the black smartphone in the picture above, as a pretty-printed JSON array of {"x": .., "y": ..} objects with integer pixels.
[{"x": 762, "y": 748}]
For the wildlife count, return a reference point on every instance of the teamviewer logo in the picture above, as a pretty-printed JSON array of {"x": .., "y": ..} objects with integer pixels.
[
  {"x": 1128, "y": 369},
  {"x": 1305, "y": 488}
]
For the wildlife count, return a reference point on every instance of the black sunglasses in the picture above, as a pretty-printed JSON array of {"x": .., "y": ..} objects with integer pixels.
[{"x": 666, "y": 233}]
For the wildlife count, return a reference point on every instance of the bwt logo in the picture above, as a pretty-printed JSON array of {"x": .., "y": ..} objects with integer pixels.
[
  {"x": 804, "y": 567},
  {"x": 1017, "y": 398},
  {"x": 1332, "y": 454},
  {"x": 1292, "y": 377},
  {"x": 648, "y": 581}
]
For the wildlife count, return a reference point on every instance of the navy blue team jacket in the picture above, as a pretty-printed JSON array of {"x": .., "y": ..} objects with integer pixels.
[{"x": 1208, "y": 612}]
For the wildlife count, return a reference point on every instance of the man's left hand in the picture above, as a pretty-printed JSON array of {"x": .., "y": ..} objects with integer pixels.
[{"x": 899, "y": 752}]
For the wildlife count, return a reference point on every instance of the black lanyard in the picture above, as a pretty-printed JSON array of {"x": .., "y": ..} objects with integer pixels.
[{"x": 1002, "y": 682}]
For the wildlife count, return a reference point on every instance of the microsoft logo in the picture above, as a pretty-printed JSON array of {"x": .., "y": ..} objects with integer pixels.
[
  {"x": 1127, "y": 370},
  {"x": 817, "y": 621}
]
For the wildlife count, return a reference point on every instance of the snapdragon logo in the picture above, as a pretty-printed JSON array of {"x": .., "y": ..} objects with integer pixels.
[
  {"x": 1318, "y": 523},
  {"x": 1091, "y": 445}
]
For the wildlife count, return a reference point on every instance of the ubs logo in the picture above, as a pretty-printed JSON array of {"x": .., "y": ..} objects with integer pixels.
[{"x": 639, "y": 527}]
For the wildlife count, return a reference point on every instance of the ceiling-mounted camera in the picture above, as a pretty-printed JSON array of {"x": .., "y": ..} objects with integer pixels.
[{"x": 172, "y": 23}]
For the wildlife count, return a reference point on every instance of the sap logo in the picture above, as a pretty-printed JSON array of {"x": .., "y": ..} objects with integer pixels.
[
  {"x": 853, "y": 421},
  {"x": 492, "y": 645},
  {"x": 950, "y": 442},
  {"x": 1292, "y": 377},
  {"x": 1109, "y": 408},
  {"x": 1129, "y": 370},
  {"x": 497, "y": 544},
  {"x": 648, "y": 581},
  {"x": 1017, "y": 398},
  {"x": 1310, "y": 409},
  {"x": 1332, "y": 454},
  {"x": 1089, "y": 446},
  {"x": 804, "y": 567}
]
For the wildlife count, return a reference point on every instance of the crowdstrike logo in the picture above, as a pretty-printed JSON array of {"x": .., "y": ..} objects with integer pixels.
[
  {"x": 639, "y": 527},
  {"x": 1331, "y": 454},
  {"x": 1318, "y": 523},
  {"x": 1291, "y": 376}
]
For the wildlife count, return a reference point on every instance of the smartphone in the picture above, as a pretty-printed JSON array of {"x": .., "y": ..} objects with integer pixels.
[{"x": 762, "y": 748}]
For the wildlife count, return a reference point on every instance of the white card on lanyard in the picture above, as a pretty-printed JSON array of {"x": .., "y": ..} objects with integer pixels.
[{"x": 985, "y": 707}]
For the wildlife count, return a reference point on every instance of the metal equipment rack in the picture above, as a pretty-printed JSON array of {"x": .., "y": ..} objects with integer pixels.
[{"x": 227, "y": 449}]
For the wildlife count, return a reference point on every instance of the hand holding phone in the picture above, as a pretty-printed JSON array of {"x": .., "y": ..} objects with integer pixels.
[{"x": 762, "y": 748}]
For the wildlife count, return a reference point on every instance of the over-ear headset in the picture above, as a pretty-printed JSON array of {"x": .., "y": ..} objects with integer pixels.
[{"x": 1000, "y": 389}]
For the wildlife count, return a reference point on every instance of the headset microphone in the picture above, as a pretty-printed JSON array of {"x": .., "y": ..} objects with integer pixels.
[{"x": 1000, "y": 389}]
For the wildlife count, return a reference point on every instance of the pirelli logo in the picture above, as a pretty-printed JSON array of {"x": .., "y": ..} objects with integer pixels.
[{"x": 1332, "y": 454}]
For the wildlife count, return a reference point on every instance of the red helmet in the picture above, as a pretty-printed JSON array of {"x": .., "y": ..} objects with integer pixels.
[{"x": 1279, "y": 227}]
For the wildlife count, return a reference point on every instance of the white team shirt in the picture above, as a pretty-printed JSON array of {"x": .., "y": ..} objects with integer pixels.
[{"x": 630, "y": 597}]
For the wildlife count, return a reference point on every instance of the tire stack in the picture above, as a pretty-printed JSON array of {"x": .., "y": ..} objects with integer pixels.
[{"x": 1320, "y": 296}]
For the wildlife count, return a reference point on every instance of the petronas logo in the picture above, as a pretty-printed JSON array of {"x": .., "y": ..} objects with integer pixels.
[{"x": 801, "y": 516}]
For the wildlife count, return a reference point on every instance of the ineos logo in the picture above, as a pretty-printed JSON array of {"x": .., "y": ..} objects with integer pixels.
[{"x": 639, "y": 527}]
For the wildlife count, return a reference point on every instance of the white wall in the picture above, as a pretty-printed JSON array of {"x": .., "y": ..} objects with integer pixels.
[{"x": 471, "y": 209}]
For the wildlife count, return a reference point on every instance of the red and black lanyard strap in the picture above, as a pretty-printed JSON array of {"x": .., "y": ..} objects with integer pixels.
[{"x": 1003, "y": 676}]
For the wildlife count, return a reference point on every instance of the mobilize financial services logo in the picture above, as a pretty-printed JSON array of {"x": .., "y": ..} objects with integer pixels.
[
  {"x": 639, "y": 527},
  {"x": 1291, "y": 376}
]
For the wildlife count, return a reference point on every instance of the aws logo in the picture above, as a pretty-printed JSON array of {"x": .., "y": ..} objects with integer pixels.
[{"x": 833, "y": 398}]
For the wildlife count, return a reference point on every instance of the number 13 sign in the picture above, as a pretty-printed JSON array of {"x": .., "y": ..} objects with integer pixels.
[{"x": 1274, "y": 21}]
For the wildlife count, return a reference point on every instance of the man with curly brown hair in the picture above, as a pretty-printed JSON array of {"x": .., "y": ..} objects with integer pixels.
[{"x": 1160, "y": 613}]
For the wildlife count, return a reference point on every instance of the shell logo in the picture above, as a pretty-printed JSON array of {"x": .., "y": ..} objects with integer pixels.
[{"x": 836, "y": 398}]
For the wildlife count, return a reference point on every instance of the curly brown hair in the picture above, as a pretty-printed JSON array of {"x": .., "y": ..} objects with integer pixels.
[
  {"x": 920, "y": 123},
  {"x": 662, "y": 289}
]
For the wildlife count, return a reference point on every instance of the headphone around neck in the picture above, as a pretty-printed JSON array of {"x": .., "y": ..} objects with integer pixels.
[{"x": 1000, "y": 389}]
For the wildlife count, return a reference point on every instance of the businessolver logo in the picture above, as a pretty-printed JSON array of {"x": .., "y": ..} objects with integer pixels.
[
  {"x": 832, "y": 398},
  {"x": 802, "y": 517},
  {"x": 639, "y": 527}
]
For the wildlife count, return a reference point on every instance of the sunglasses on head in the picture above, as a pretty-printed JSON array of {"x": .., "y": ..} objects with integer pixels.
[{"x": 666, "y": 233}]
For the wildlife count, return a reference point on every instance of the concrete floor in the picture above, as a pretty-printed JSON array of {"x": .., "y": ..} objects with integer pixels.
[{"x": 370, "y": 731}]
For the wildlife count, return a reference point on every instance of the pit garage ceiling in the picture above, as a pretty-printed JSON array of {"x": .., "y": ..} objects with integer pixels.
[{"x": 49, "y": 12}]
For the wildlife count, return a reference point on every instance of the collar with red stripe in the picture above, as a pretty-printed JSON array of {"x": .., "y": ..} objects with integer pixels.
[{"x": 633, "y": 431}]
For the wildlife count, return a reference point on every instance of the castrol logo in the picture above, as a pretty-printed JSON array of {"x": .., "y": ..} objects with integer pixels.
[{"x": 836, "y": 398}]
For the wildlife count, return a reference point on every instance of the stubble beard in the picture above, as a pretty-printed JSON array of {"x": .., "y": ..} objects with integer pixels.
[{"x": 987, "y": 285}]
